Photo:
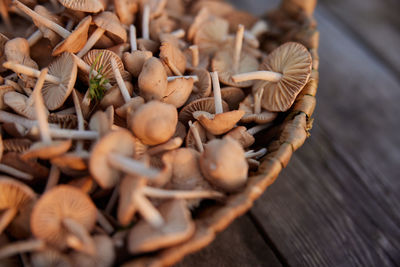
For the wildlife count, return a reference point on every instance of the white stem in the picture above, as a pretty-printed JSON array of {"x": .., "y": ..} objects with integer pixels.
[
  {"x": 70, "y": 25},
  {"x": 40, "y": 108},
  {"x": 196, "y": 136},
  {"x": 121, "y": 84},
  {"x": 19, "y": 68},
  {"x": 45, "y": 21},
  {"x": 54, "y": 177},
  {"x": 20, "y": 247},
  {"x": 180, "y": 33},
  {"x": 113, "y": 199},
  {"x": 74, "y": 134},
  {"x": 172, "y": 144},
  {"x": 131, "y": 166},
  {"x": 132, "y": 37},
  {"x": 238, "y": 47},
  {"x": 7, "y": 217},
  {"x": 172, "y": 66},
  {"x": 145, "y": 22},
  {"x": 257, "y": 100},
  {"x": 217, "y": 92},
  {"x": 7, "y": 117},
  {"x": 35, "y": 37},
  {"x": 15, "y": 173},
  {"x": 79, "y": 115},
  {"x": 195, "y": 55},
  {"x": 148, "y": 211},
  {"x": 259, "y": 28},
  {"x": 257, "y": 129},
  {"x": 251, "y": 39},
  {"x": 82, "y": 65},
  {"x": 96, "y": 35},
  {"x": 181, "y": 194},
  {"x": 258, "y": 75},
  {"x": 194, "y": 77},
  {"x": 258, "y": 154},
  {"x": 104, "y": 223}
]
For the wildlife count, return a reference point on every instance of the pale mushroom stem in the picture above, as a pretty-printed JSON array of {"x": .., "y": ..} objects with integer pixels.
[
  {"x": 7, "y": 117},
  {"x": 70, "y": 25},
  {"x": 253, "y": 154},
  {"x": 145, "y": 22},
  {"x": 195, "y": 55},
  {"x": 81, "y": 122},
  {"x": 35, "y": 37},
  {"x": 19, "y": 68},
  {"x": 180, "y": 194},
  {"x": 96, "y": 35},
  {"x": 54, "y": 177},
  {"x": 217, "y": 92},
  {"x": 259, "y": 28},
  {"x": 40, "y": 108},
  {"x": 238, "y": 47},
  {"x": 258, "y": 75},
  {"x": 257, "y": 100},
  {"x": 180, "y": 33},
  {"x": 173, "y": 68},
  {"x": 131, "y": 166},
  {"x": 148, "y": 211},
  {"x": 170, "y": 145},
  {"x": 196, "y": 136},
  {"x": 121, "y": 84},
  {"x": 132, "y": 37},
  {"x": 71, "y": 134},
  {"x": 15, "y": 173},
  {"x": 104, "y": 223},
  {"x": 42, "y": 20},
  {"x": 79, "y": 237},
  {"x": 257, "y": 129},
  {"x": 7, "y": 217},
  {"x": 194, "y": 77},
  {"x": 21, "y": 247},
  {"x": 251, "y": 39},
  {"x": 4, "y": 14}
]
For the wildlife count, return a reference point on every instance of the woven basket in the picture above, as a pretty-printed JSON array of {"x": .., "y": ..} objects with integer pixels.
[{"x": 292, "y": 21}]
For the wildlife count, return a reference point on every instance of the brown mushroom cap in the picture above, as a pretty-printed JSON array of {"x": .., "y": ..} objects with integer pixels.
[
  {"x": 127, "y": 207},
  {"x": 128, "y": 109},
  {"x": 50, "y": 257},
  {"x": 32, "y": 167},
  {"x": 261, "y": 118},
  {"x": 113, "y": 96},
  {"x": 109, "y": 22},
  {"x": 294, "y": 62},
  {"x": 3, "y": 90},
  {"x": 216, "y": 8},
  {"x": 154, "y": 122},
  {"x": 212, "y": 35},
  {"x": 20, "y": 104},
  {"x": 3, "y": 41},
  {"x": 126, "y": 10},
  {"x": 47, "y": 150},
  {"x": 232, "y": 95},
  {"x": 59, "y": 203},
  {"x": 218, "y": 123},
  {"x": 153, "y": 80},
  {"x": 104, "y": 257},
  {"x": 135, "y": 60},
  {"x": 178, "y": 91},
  {"x": 241, "y": 135},
  {"x": 120, "y": 142},
  {"x": 178, "y": 227},
  {"x": 92, "y": 6},
  {"x": 53, "y": 37},
  {"x": 201, "y": 88},
  {"x": 202, "y": 104},
  {"x": 148, "y": 45},
  {"x": 160, "y": 25},
  {"x": 224, "y": 165},
  {"x": 170, "y": 54},
  {"x": 14, "y": 194}
]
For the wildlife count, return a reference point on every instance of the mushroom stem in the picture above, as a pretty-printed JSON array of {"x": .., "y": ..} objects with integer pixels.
[
  {"x": 180, "y": 33},
  {"x": 148, "y": 211},
  {"x": 132, "y": 37},
  {"x": 15, "y": 173},
  {"x": 7, "y": 217},
  {"x": 81, "y": 122},
  {"x": 70, "y": 25},
  {"x": 96, "y": 35},
  {"x": 180, "y": 194},
  {"x": 258, "y": 154},
  {"x": 19, "y": 68},
  {"x": 4, "y": 14},
  {"x": 104, "y": 223},
  {"x": 257, "y": 129},
  {"x": 35, "y": 37},
  {"x": 173, "y": 68},
  {"x": 121, "y": 84},
  {"x": 194, "y": 77},
  {"x": 113, "y": 199},
  {"x": 169, "y": 145},
  {"x": 131, "y": 166},
  {"x": 42, "y": 20},
  {"x": 238, "y": 47},
  {"x": 258, "y": 75},
  {"x": 251, "y": 39},
  {"x": 145, "y": 22},
  {"x": 217, "y": 92},
  {"x": 259, "y": 28},
  {"x": 20, "y": 247},
  {"x": 195, "y": 55},
  {"x": 82, "y": 65},
  {"x": 71, "y": 134},
  {"x": 257, "y": 100},
  {"x": 7, "y": 117},
  {"x": 53, "y": 179},
  {"x": 79, "y": 237},
  {"x": 196, "y": 136},
  {"x": 40, "y": 108}
]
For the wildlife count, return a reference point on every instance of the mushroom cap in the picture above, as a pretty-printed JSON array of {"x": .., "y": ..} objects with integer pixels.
[
  {"x": 216, "y": 8},
  {"x": 127, "y": 206},
  {"x": 53, "y": 37},
  {"x": 202, "y": 16},
  {"x": 247, "y": 106},
  {"x": 135, "y": 60},
  {"x": 172, "y": 54},
  {"x": 237, "y": 17},
  {"x": 14, "y": 194},
  {"x": 178, "y": 91},
  {"x": 148, "y": 45},
  {"x": 241, "y": 135},
  {"x": 201, "y": 88},
  {"x": 223, "y": 64},
  {"x": 160, "y": 25},
  {"x": 218, "y": 123},
  {"x": 3, "y": 40},
  {"x": 73, "y": 160},
  {"x": 202, "y": 104},
  {"x": 91, "y": 6},
  {"x": 232, "y": 95},
  {"x": 3, "y": 90},
  {"x": 76, "y": 40},
  {"x": 109, "y": 21},
  {"x": 113, "y": 96},
  {"x": 126, "y": 10},
  {"x": 50, "y": 257},
  {"x": 86, "y": 184},
  {"x": 47, "y": 150},
  {"x": 18, "y": 102},
  {"x": 15, "y": 145},
  {"x": 212, "y": 35},
  {"x": 153, "y": 80},
  {"x": 100, "y": 122},
  {"x": 130, "y": 107},
  {"x": 57, "y": 204},
  {"x": 65, "y": 68},
  {"x": 180, "y": 131},
  {"x": 154, "y": 122},
  {"x": 178, "y": 227},
  {"x": 120, "y": 142},
  {"x": 14, "y": 159},
  {"x": 294, "y": 62},
  {"x": 224, "y": 165},
  {"x": 119, "y": 49}
]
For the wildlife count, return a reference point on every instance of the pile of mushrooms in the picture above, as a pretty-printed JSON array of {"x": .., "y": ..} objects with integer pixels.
[{"x": 118, "y": 118}]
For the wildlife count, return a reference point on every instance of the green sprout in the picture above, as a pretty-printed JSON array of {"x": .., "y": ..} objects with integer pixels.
[{"x": 97, "y": 82}]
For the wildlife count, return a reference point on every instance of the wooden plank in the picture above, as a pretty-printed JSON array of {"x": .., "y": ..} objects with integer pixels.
[
  {"x": 239, "y": 245},
  {"x": 337, "y": 204}
]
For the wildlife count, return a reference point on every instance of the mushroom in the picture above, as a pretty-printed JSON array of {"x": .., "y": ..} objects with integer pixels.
[
  {"x": 211, "y": 35},
  {"x": 246, "y": 136},
  {"x": 178, "y": 227},
  {"x": 233, "y": 96},
  {"x": 64, "y": 217},
  {"x": 113, "y": 96},
  {"x": 153, "y": 80},
  {"x": 14, "y": 197},
  {"x": 126, "y": 10},
  {"x": 31, "y": 167},
  {"x": 3, "y": 90},
  {"x": 224, "y": 165},
  {"x": 282, "y": 75},
  {"x": 232, "y": 61},
  {"x": 196, "y": 136},
  {"x": 50, "y": 257},
  {"x": 4, "y": 15},
  {"x": 173, "y": 58},
  {"x": 202, "y": 87},
  {"x": 220, "y": 122},
  {"x": 253, "y": 111},
  {"x": 3, "y": 40},
  {"x": 179, "y": 91},
  {"x": 104, "y": 256},
  {"x": 106, "y": 22},
  {"x": 44, "y": 31},
  {"x": 91, "y": 6},
  {"x": 154, "y": 122}
]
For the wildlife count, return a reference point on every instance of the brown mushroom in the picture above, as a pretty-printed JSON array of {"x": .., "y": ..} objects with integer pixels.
[
  {"x": 126, "y": 10},
  {"x": 178, "y": 91},
  {"x": 246, "y": 136},
  {"x": 3, "y": 90},
  {"x": 43, "y": 31},
  {"x": 211, "y": 35},
  {"x": 173, "y": 58},
  {"x": 50, "y": 257},
  {"x": 92, "y": 6},
  {"x": 202, "y": 87},
  {"x": 3, "y": 40},
  {"x": 253, "y": 111},
  {"x": 153, "y": 80},
  {"x": 233, "y": 96}
]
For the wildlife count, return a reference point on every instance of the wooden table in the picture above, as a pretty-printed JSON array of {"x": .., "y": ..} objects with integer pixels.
[{"x": 338, "y": 201}]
